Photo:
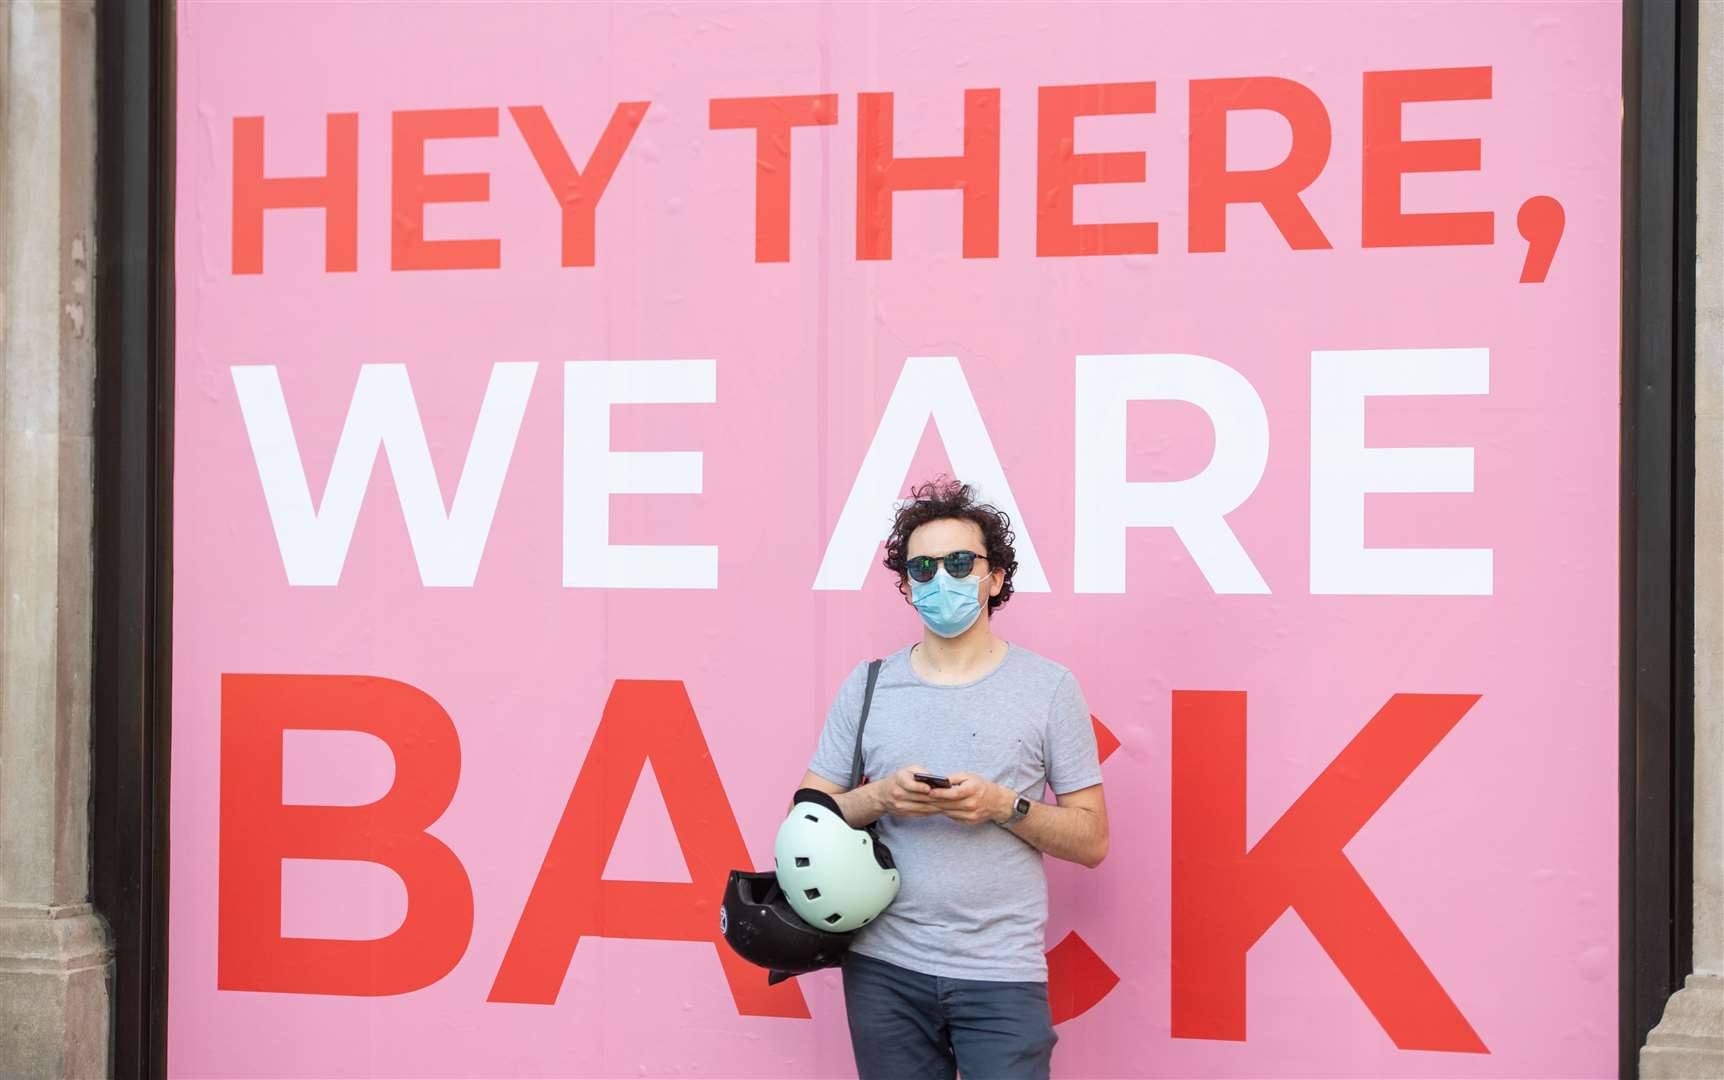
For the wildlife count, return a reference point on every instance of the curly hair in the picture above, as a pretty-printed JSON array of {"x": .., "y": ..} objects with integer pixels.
[{"x": 943, "y": 498}]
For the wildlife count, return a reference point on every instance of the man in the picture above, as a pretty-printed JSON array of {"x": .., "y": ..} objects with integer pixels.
[{"x": 952, "y": 977}]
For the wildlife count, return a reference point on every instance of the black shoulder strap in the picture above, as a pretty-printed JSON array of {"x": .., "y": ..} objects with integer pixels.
[{"x": 862, "y": 722}]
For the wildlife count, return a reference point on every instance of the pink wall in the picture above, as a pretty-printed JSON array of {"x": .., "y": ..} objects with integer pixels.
[{"x": 1496, "y": 859}]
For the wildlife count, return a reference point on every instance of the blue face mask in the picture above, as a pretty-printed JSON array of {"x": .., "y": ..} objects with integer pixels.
[{"x": 948, "y": 606}]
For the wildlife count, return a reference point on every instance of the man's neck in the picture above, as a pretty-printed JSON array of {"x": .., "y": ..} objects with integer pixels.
[{"x": 968, "y": 656}]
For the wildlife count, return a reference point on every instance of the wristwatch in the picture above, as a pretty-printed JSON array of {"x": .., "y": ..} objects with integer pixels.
[{"x": 1020, "y": 810}]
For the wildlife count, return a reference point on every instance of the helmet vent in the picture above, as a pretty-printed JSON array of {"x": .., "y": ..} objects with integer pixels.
[
  {"x": 801, "y": 860},
  {"x": 812, "y": 894},
  {"x": 811, "y": 817},
  {"x": 834, "y": 917}
]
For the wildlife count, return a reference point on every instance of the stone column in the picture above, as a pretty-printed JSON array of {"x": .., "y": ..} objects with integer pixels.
[
  {"x": 1689, "y": 1040},
  {"x": 55, "y": 959}
]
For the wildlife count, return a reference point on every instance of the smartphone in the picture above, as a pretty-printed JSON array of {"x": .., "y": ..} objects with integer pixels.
[{"x": 932, "y": 779}]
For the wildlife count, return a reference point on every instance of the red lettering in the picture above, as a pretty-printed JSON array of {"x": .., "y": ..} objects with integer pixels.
[
  {"x": 976, "y": 173},
  {"x": 413, "y": 188},
  {"x": 1387, "y": 157},
  {"x": 1106, "y": 742},
  {"x": 1540, "y": 222},
  {"x": 336, "y": 191},
  {"x": 642, "y": 719},
  {"x": 1225, "y": 897},
  {"x": 578, "y": 190},
  {"x": 772, "y": 118},
  {"x": 1077, "y": 978},
  {"x": 1059, "y": 169},
  {"x": 1214, "y": 186},
  {"x": 258, "y": 832}
]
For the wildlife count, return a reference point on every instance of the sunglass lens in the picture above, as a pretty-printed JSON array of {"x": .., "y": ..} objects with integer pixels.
[
  {"x": 960, "y": 563},
  {"x": 921, "y": 568}
]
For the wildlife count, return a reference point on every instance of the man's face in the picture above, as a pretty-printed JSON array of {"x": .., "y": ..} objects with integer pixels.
[{"x": 947, "y": 535}]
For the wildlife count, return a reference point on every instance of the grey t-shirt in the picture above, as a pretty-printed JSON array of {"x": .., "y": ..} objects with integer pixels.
[{"x": 974, "y": 900}]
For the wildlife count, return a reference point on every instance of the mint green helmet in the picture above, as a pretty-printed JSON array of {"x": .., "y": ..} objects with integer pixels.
[{"x": 835, "y": 877}]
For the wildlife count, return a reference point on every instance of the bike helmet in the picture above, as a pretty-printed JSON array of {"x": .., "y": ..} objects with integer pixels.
[
  {"x": 759, "y": 923},
  {"x": 836, "y": 877},
  {"x": 842, "y": 879}
]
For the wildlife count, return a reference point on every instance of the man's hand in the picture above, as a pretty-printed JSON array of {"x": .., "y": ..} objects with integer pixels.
[
  {"x": 974, "y": 800},
  {"x": 902, "y": 794}
]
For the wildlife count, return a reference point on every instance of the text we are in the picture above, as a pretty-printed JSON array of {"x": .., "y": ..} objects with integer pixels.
[{"x": 448, "y": 538}]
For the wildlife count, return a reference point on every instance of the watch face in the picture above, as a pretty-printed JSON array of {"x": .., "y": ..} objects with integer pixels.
[{"x": 1022, "y": 807}]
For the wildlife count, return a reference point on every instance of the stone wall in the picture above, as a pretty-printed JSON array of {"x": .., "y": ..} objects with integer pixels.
[
  {"x": 1689, "y": 1040},
  {"x": 55, "y": 959}
]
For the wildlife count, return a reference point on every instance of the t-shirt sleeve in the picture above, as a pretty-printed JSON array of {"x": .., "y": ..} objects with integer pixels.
[
  {"x": 1072, "y": 759},
  {"x": 832, "y": 757}
]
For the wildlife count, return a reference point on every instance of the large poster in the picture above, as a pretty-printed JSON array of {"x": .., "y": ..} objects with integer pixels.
[{"x": 546, "y": 374}]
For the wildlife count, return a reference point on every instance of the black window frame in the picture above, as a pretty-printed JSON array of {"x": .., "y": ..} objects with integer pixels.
[
  {"x": 1656, "y": 883},
  {"x": 130, "y": 718},
  {"x": 133, "y": 519}
]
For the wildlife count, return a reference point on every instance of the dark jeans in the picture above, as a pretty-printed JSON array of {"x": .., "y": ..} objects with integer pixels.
[{"x": 908, "y": 1026}]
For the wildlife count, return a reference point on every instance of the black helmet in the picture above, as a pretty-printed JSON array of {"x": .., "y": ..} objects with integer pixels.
[{"x": 764, "y": 929}]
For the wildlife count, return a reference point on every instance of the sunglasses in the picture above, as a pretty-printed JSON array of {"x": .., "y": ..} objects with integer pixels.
[{"x": 958, "y": 564}]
